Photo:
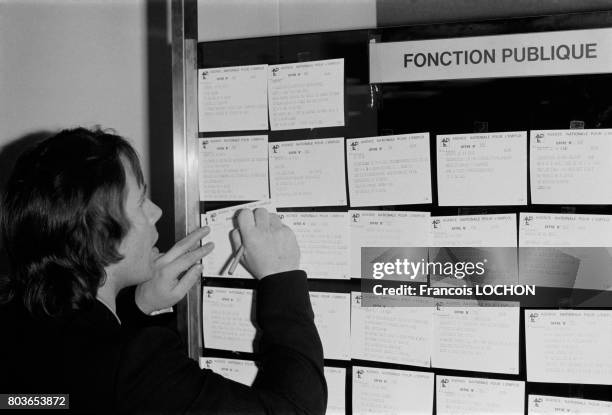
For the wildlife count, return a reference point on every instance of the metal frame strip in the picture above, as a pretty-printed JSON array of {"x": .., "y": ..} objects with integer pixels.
[{"x": 185, "y": 157}]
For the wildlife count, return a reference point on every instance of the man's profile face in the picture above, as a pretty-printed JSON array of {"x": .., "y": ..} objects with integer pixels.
[{"x": 138, "y": 246}]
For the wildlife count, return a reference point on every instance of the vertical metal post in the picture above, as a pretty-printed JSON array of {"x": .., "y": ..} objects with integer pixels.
[{"x": 185, "y": 156}]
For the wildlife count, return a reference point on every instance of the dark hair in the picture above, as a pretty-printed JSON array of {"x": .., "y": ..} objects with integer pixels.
[{"x": 63, "y": 218}]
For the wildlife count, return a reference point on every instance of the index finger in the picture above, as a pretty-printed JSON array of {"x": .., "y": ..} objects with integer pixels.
[
  {"x": 184, "y": 245},
  {"x": 176, "y": 267},
  {"x": 245, "y": 219}
]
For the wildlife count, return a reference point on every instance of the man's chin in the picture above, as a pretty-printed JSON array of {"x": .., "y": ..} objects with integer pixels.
[{"x": 155, "y": 254}]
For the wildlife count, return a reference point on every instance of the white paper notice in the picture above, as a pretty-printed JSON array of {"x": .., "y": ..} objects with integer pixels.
[
  {"x": 480, "y": 338},
  {"x": 478, "y": 396},
  {"x": 233, "y": 98},
  {"x": 234, "y": 168},
  {"x": 387, "y": 391},
  {"x": 389, "y": 170},
  {"x": 562, "y": 229},
  {"x": 307, "y": 173},
  {"x": 323, "y": 238},
  {"x": 476, "y": 238},
  {"x": 571, "y": 167},
  {"x": 553, "y": 405},
  {"x": 241, "y": 371},
  {"x": 482, "y": 169},
  {"x": 333, "y": 320},
  {"x": 221, "y": 223},
  {"x": 336, "y": 390},
  {"x": 226, "y": 315},
  {"x": 378, "y": 228},
  {"x": 569, "y": 346},
  {"x": 400, "y": 332},
  {"x": 306, "y": 94},
  {"x": 576, "y": 250}
]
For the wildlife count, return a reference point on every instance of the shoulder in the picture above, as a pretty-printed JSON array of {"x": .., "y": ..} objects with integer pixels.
[
  {"x": 149, "y": 341},
  {"x": 154, "y": 371}
]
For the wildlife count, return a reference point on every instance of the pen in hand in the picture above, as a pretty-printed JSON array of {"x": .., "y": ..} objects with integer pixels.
[{"x": 236, "y": 260}]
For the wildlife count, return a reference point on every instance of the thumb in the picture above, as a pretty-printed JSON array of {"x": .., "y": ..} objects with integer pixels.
[{"x": 188, "y": 280}]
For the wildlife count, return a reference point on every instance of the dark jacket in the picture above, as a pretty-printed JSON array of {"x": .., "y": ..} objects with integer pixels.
[{"x": 138, "y": 368}]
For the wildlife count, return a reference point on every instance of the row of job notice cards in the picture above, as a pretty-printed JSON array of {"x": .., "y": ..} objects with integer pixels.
[
  {"x": 554, "y": 250},
  {"x": 566, "y": 167}
]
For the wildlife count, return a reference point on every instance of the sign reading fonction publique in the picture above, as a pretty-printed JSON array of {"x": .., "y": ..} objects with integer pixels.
[{"x": 529, "y": 54}]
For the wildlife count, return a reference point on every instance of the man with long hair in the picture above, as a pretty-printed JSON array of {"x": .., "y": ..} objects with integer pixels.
[{"x": 80, "y": 235}]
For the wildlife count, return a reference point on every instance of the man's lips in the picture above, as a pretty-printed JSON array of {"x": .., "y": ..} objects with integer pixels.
[{"x": 155, "y": 254}]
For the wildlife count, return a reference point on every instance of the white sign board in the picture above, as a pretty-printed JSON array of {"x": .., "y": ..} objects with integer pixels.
[{"x": 527, "y": 54}]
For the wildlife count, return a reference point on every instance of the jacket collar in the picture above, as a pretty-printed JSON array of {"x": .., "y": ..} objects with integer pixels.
[{"x": 109, "y": 309}]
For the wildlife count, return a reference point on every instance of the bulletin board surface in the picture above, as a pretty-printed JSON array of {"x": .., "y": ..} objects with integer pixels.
[{"x": 437, "y": 107}]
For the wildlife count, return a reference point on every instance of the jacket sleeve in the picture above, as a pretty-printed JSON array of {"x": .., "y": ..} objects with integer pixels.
[
  {"x": 132, "y": 317},
  {"x": 155, "y": 376}
]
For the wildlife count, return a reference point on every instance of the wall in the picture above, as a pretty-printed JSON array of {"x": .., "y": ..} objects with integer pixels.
[
  {"x": 66, "y": 63},
  {"x": 237, "y": 19}
]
